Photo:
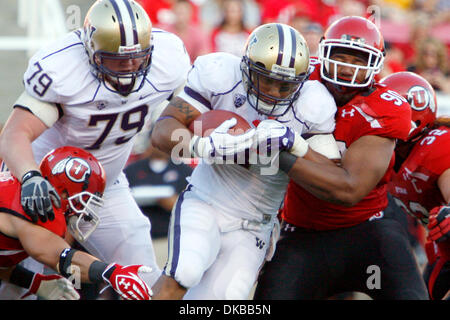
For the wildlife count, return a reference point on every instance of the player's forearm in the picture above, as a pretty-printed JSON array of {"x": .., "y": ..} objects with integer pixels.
[
  {"x": 21, "y": 129},
  {"x": 46, "y": 248},
  {"x": 16, "y": 152},
  {"x": 171, "y": 136},
  {"x": 325, "y": 180}
]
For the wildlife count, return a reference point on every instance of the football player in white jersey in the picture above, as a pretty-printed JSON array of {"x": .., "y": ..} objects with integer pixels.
[
  {"x": 95, "y": 89},
  {"x": 224, "y": 224}
]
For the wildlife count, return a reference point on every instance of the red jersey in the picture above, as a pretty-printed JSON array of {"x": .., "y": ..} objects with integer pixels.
[
  {"x": 414, "y": 187},
  {"x": 11, "y": 250},
  {"x": 378, "y": 111}
]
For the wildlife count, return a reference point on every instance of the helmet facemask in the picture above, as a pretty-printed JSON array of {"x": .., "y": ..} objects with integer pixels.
[
  {"x": 373, "y": 56},
  {"x": 81, "y": 215},
  {"x": 123, "y": 82},
  {"x": 255, "y": 78}
]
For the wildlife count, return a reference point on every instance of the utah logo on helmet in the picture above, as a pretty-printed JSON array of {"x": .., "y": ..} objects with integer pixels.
[{"x": 420, "y": 95}]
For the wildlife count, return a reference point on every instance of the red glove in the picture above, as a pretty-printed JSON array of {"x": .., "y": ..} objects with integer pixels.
[
  {"x": 127, "y": 282},
  {"x": 439, "y": 224},
  {"x": 52, "y": 287}
]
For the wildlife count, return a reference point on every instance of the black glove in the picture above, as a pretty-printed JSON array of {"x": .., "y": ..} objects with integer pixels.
[{"x": 37, "y": 196}]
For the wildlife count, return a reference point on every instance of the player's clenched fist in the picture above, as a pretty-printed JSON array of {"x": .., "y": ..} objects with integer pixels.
[
  {"x": 273, "y": 136},
  {"x": 221, "y": 144},
  {"x": 37, "y": 196},
  {"x": 127, "y": 282}
]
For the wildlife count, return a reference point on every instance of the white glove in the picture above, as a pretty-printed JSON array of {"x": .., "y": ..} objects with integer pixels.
[
  {"x": 52, "y": 287},
  {"x": 220, "y": 144},
  {"x": 273, "y": 136}
]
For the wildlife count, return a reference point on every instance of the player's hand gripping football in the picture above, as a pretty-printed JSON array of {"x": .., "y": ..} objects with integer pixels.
[
  {"x": 273, "y": 136},
  {"x": 439, "y": 224},
  {"x": 52, "y": 287},
  {"x": 37, "y": 196},
  {"x": 127, "y": 282},
  {"x": 221, "y": 144}
]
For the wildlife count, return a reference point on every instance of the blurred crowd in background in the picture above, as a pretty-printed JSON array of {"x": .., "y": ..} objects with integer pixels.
[{"x": 416, "y": 32}]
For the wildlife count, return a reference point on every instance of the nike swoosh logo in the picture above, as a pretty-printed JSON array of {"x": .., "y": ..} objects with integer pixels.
[{"x": 147, "y": 95}]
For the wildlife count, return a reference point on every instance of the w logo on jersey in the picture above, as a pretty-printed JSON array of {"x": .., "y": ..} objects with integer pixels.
[{"x": 259, "y": 243}]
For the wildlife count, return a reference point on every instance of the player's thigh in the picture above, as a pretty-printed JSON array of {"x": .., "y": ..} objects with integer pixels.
[
  {"x": 193, "y": 241},
  {"x": 399, "y": 272},
  {"x": 297, "y": 269},
  {"x": 236, "y": 268}
]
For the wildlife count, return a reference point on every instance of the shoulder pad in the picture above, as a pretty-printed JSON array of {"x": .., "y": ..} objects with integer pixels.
[
  {"x": 55, "y": 72},
  {"x": 216, "y": 72},
  {"x": 315, "y": 103}
]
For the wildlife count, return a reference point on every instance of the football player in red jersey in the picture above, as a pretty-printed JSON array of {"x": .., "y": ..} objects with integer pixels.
[
  {"x": 336, "y": 236},
  {"x": 421, "y": 184},
  {"x": 79, "y": 179}
]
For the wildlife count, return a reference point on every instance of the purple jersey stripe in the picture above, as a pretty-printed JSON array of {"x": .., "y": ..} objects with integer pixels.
[
  {"x": 120, "y": 21},
  {"x": 280, "y": 44},
  {"x": 197, "y": 96},
  {"x": 294, "y": 48},
  {"x": 70, "y": 46},
  {"x": 177, "y": 233},
  {"x": 133, "y": 21}
]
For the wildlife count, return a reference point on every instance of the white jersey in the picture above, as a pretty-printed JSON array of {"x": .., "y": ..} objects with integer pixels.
[
  {"x": 215, "y": 82},
  {"x": 91, "y": 116}
]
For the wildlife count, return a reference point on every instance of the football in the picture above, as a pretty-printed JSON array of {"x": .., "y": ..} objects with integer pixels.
[{"x": 205, "y": 123}]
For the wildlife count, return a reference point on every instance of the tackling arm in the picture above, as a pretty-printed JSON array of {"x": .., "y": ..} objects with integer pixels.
[
  {"x": 53, "y": 251},
  {"x": 45, "y": 246},
  {"x": 363, "y": 165}
]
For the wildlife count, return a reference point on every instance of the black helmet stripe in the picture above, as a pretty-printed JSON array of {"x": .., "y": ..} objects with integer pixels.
[
  {"x": 120, "y": 21},
  {"x": 280, "y": 44}
]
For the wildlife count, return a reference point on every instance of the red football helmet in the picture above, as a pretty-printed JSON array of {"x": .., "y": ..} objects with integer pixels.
[
  {"x": 80, "y": 180},
  {"x": 420, "y": 95},
  {"x": 352, "y": 35}
]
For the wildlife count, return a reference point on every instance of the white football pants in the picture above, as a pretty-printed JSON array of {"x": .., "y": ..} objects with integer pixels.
[{"x": 211, "y": 262}]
